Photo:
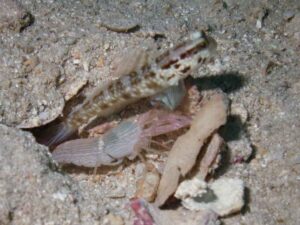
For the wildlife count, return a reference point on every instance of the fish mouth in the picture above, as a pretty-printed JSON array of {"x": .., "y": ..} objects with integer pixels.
[{"x": 197, "y": 42}]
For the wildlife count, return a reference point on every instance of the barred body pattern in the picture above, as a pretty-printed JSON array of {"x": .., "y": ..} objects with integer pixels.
[
  {"x": 149, "y": 79},
  {"x": 153, "y": 77}
]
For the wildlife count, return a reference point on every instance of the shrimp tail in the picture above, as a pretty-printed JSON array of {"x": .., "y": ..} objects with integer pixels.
[
  {"x": 109, "y": 149},
  {"x": 88, "y": 152},
  {"x": 80, "y": 152},
  {"x": 55, "y": 134}
]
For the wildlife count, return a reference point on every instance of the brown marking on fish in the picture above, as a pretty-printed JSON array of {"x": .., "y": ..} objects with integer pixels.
[
  {"x": 193, "y": 50},
  {"x": 118, "y": 85},
  {"x": 136, "y": 92},
  {"x": 110, "y": 87},
  {"x": 176, "y": 66},
  {"x": 94, "y": 97},
  {"x": 126, "y": 95},
  {"x": 134, "y": 80},
  {"x": 153, "y": 85},
  {"x": 186, "y": 69},
  {"x": 169, "y": 64},
  {"x": 150, "y": 75},
  {"x": 104, "y": 105},
  {"x": 170, "y": 77}
]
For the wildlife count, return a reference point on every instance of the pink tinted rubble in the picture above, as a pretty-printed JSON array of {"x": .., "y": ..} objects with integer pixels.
[
  {"x": 149, "y": 214},
  {"x": 142, "y": 215}
]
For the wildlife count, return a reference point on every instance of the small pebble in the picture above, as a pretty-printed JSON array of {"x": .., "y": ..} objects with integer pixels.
[
  {"x": 106, "y": 46},
  {"x": 258, "y": 24},
  {"x": 76, "y": 61},
  {"x": 30, "y": 63},
  {"x": 147, "y": 185},
  {"x": 288, "y": 15},
  {"x": 86, "y": 66},
  {"x": 112, "y": 219}
]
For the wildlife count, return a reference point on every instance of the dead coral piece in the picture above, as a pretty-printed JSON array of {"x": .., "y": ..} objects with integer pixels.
[
  {"x": 191, "y": 188},
  {"x": 120, "y": 25},
  {"x": 210, "y": 160},
  {"x": 224, "y": 196},
  {"x": 183, "y": 155},
  {"x": 120, "y": 29}
]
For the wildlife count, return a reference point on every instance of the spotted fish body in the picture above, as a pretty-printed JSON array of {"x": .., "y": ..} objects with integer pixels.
[{"x": 151, "y": 78}]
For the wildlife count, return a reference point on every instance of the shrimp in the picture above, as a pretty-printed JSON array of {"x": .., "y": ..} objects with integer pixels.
[
  {"x": 151, "y": 78},
  {"x": 125, "y": 140}
]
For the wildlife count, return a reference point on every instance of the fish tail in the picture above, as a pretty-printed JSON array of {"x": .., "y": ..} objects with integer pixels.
[{"x": 56, "y": 134}]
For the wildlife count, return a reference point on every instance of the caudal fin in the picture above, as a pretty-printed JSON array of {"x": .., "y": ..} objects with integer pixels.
[{"x": 55, "y": 134}]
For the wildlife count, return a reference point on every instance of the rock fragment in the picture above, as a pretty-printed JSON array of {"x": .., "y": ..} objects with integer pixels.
[
  {"x": 13, "y": 16},
  {"x": 223, "y": 196}
]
